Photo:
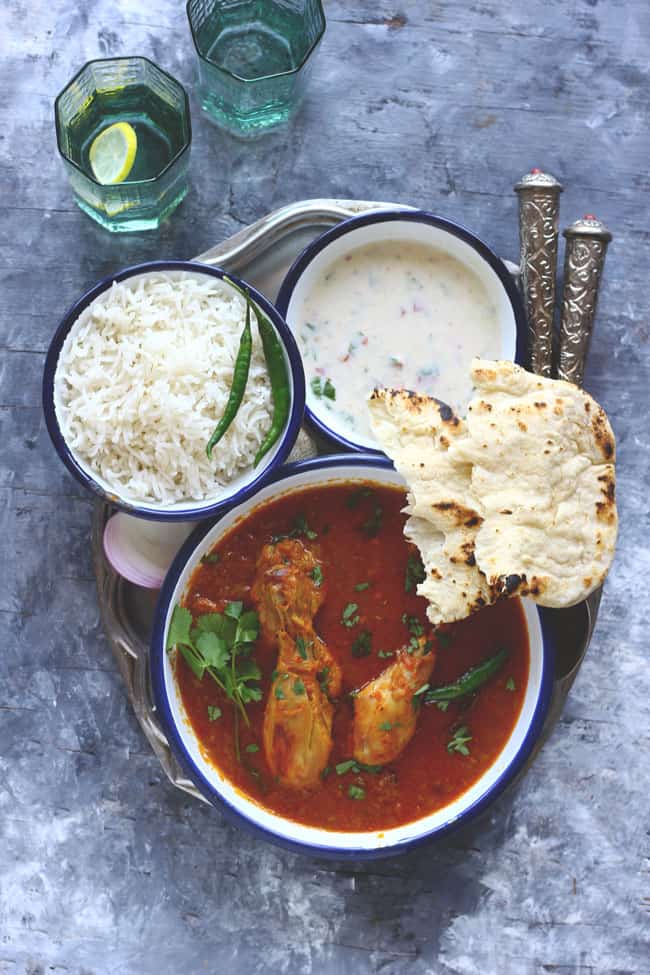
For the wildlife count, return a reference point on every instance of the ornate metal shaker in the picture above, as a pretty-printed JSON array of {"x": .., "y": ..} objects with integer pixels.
[
  {"x": 586, "y": 246},
  {"x": 539, "y": 209}
]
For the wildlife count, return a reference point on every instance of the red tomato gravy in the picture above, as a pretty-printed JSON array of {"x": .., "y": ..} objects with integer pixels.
[{"x": 426, "y": 776}]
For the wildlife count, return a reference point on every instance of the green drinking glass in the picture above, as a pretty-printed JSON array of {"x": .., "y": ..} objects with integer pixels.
[
  {"x": 133, "y": 176},
  {"x": 254, "y": 58}
]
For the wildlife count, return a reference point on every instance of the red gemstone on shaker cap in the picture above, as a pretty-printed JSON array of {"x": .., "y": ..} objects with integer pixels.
[
  {"x": 535, "y": 170},
  {"x": 589, "y": 216}
]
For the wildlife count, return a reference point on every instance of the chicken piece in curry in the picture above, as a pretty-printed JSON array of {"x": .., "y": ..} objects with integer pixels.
[
  {"x": 386, "y": 709},
  {"x": 297, "y": 734}
]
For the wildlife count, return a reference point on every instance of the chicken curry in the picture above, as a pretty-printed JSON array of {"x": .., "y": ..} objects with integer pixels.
[{"x": 334, "y": 702}]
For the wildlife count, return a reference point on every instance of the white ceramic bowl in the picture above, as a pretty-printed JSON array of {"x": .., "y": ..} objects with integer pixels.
[
  {"x": 414, "y": 226},
  {"x": 240, "y": 487},
  {"x": 308, "y": 839}
]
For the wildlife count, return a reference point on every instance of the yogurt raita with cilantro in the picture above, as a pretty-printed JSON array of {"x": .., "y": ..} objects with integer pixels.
[{"x": 398, "y": 314}]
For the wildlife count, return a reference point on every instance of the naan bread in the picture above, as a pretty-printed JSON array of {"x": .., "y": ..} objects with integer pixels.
[
  {"x": 542, "y": 456},
  {"x": 418, "y": 432},
  {"x": 517, "y": 500}
]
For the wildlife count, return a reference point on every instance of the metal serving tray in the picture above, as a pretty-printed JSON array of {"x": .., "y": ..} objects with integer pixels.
[{"x": 262, "y": 253}]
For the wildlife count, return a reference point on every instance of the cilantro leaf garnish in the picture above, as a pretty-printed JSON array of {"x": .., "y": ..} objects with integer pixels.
[
  {"x": 414, "y": 573},
  {"x": 372, "y": 526},
  {"x": 210, "y": 559},
  {"x": 220, "y": 645},
  {"x": 317, "y": 576},
  {"x": 415, "y": 627},
  {"x": 357, "y": 496},
  {"x": 300, "y": 529},
  {"x": 362, "y": 586},
  {"x": 179, "y": 627},
  {"x": 350, "y": 616},
  {"x": 356, "y": 792},
  {"x": 351, "y": 765},
  {"x": 362, "y": 645},
  {"x": 510, "y": 684},
  {"x": 213, "y": 712},
  {"x": 302, "y": 646},
  {"x": 458, "y": 743}
]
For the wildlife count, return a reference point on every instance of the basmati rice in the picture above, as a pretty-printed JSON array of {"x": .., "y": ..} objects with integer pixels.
[{"x": 142, "y": 380}]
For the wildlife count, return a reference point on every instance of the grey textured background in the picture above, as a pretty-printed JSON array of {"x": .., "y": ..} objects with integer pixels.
[{"x": 105, "y": 868}]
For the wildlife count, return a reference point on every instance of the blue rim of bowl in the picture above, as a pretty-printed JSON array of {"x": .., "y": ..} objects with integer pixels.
[
  {"x": 211, "y": 793},
  {"x": 192, "y": 512},
  {"x": 412, "y": 216}
]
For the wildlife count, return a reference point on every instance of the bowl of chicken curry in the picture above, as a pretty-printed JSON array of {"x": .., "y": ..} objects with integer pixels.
[{"x": 303, "y": 688}]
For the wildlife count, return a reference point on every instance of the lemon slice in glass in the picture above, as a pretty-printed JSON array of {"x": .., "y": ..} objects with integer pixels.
[{"x": 112, "y": 153}]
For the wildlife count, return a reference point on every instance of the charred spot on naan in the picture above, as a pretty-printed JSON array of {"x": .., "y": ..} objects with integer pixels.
[
  {"x": 603, "y": 433},
  {"x": 458, "y": 514},
  {"x": 414, "y": 402}
]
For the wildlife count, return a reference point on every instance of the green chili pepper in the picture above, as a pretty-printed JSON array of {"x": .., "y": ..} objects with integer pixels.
[
  {"x": 470, "y": 681},
  {"x": 278, "y": 376},
  {"x": 239, "y": 380}
]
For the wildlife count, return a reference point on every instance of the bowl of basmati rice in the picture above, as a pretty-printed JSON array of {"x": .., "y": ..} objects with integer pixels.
[{"x": 139, "y": 374}]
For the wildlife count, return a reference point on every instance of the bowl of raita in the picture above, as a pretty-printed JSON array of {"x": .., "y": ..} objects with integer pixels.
[{"x": 397, "y": 299}]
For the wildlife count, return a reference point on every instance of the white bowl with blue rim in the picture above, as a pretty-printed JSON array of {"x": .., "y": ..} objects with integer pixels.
[
  {"x": 240, "y": 487},
  {"x": 244, "y": 811},
  {"x": 413, "y": 227}
]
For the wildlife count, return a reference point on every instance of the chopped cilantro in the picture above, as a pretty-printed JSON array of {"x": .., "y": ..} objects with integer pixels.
[
  {"x": 302, "y": 646},
  {"x": 350, "y": 616},
  {"x": 298, "y": 686},
  {"x": 372, "y": 526},
  {"x": 414, "y": 625},
  {"x": 458, "y": 743},
  {"x": 300, "y": 528},
  {"x": 326, "y": 771},
  {"x": 351, "y": 765},
  {"x": 323, "y": 678},
  {"x": 356, "y": 792},
  {"x": 317, "y": 576},
  {"x": 510, "y": 684},
  {"x": 386, "y": 726},
  {"x": 210, "y": 559},
  {"x": 385, "y": 654},
  {"x": 442, "y": 705},
  {"x": 362, "y": 586},
  {"x": 320, "y": 388},
  {"x": 414, "y": 573},
  {"x": 279, "y": 693},
  {"x": 251, "y": 749},
  {"x": 362, "y": 646},
  {"x": 213, "y": 712},
  {"x": 357, "y": 496}
]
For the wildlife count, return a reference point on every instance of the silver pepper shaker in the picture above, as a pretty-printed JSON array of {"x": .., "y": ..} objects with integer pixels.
[
  {"x": 584, "y": 259},
  {"x": 539, "y": 210}
]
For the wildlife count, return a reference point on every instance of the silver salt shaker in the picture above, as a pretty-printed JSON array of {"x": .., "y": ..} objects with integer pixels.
[
  {"x": 584, "y": 259},
  {"x": 539, "y": 210}
]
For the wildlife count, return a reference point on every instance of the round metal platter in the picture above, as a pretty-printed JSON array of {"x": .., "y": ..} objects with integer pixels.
[{"x": 262, "y": 253}]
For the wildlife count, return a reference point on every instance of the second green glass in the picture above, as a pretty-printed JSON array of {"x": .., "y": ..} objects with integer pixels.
[{"x": 254, "y": 58}]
